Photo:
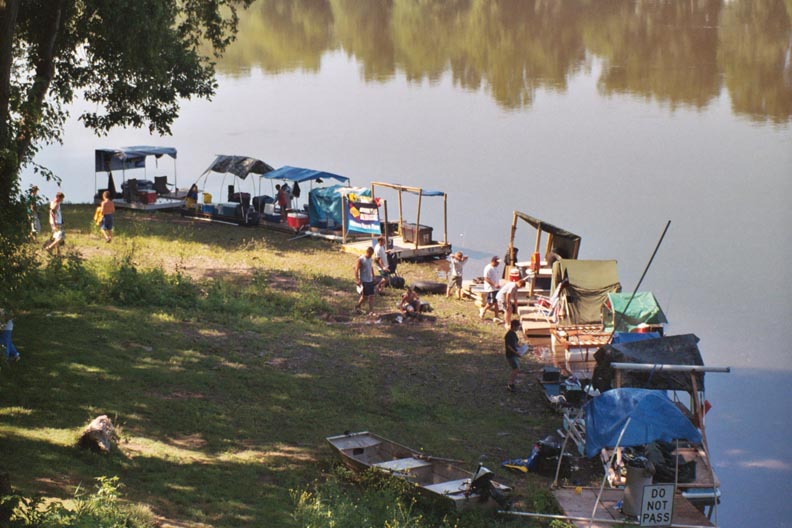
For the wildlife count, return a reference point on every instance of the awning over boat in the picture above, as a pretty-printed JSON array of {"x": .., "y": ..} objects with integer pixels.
[
  {"x": 590, "y": 282},
  {"x": 669, "y": 350},
  {"x": 643, "y": 308},
  {"x": 561, "y": 241},
  {"x": 128, "y": 157},
  {"x": 652, "y": 416},
  {"x": 239, "y": 166},
  {"x": 299, "y": 175}
]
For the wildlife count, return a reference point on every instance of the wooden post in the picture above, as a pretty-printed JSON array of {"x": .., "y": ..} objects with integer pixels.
[
  {"x": 401, "y": 215},
  {"x": 511, "y": 240},
  {"x": 536, "y": 249},
  {"x": 387, "y": 230},
  {"x": 445, "y": 218},
  {"x": 418, "y": 220},
  {"x": 343, "y": 218}
]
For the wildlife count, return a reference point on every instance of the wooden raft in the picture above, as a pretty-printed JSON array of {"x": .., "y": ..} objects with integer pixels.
[{"x": 581, "y": 505}]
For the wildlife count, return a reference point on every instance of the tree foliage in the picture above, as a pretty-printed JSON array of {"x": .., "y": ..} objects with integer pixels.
[{"x": 133, "y": 60}]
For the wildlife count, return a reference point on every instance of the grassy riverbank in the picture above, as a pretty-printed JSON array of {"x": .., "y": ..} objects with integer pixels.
[{"x": 225, "y": 356}]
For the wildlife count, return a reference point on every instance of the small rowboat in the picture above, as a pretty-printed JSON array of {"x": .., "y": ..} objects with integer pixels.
[{"x": 435, "y": 477}]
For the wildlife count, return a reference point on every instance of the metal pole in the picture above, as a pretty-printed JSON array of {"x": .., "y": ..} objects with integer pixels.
[
  {"x": 643, "y": 367},
  {"x": 610, "y": 462},
  {"x": 621, "y": 315},
  {"x": 622, "y": 522}
]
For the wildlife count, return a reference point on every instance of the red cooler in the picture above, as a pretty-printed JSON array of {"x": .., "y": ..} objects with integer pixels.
[
  {"x": 297, "y": 220},
  {"x": 514, "y": 275}
]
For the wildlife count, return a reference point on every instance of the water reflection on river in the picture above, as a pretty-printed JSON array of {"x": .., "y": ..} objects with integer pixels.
[{"x": 605, "y": 117}]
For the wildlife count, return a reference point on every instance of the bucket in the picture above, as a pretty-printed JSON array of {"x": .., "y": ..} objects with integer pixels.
[
  {"x": 514, "y": 275},
  {"x": 639, "y": 474},
  {"x": 207, "y": 198},
  {"x": 536, "y": 262}
]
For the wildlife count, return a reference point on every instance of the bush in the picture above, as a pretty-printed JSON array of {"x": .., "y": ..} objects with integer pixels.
[{"x": 101, "y": 508}]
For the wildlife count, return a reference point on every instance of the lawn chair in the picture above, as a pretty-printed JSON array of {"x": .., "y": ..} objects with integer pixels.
[{"x": 554, "y": 307}]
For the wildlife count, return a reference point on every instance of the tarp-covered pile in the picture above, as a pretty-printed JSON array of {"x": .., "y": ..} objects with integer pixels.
[
  {"x": 325, "y": 207},
  {"x": 652, "y": 415},
  {"x": 641, "y": 309},
  {"x": 590, "y": 282},
  {"x": 669, "y": 350}
]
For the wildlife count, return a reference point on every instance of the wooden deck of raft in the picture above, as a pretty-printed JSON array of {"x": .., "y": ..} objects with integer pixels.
[{"x": 581, "y": 505}]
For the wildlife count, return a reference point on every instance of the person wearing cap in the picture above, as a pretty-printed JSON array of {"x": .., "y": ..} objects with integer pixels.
[
  {"x": 455, "y": 279},
  {"x": 491, "y": 287}
]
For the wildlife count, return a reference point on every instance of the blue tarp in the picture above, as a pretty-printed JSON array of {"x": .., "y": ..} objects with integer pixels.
[
  {"x": 299, "y": 175},
  {"x": 653, "y": 417},
  {"x": 324, "y": 204},
  {"x": 632, "y": 337},
  {"x": 128, "y": 157}
]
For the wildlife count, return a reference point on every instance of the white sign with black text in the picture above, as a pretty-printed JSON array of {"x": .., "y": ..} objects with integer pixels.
[{"x": 657, "y": 505}]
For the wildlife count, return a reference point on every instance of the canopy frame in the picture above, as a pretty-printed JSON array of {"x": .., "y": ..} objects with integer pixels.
[
  {"x": 541, "y": 227},
  {"x": 400, "y": 189}
]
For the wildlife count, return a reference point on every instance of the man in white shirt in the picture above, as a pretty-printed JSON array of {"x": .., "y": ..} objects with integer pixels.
[
  {"x": 491, "y": 287},
  {"x": 507, "y": 299}
]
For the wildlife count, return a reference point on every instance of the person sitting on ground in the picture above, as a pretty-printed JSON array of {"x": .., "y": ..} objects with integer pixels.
[
  {"x": 512, "y": 343},
  {"x": 507, "y": 300},
  {"x": 410, "y": 304},
  {"x": 364, "y": 278},
  {"x": 108, "y": 209},
  {"x": 491, "y": 287},
  {"x": 382, "y": 262},
  {"x": 455, "y": 278}
]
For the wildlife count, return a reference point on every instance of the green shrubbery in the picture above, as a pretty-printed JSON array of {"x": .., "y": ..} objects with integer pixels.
[
  {"x": 375, "y": 500},
  {"x": 103, "y": 508},
  {"x": 68, "y": 281}
]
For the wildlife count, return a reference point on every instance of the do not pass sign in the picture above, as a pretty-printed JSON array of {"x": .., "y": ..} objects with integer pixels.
[{"x": 657, "y": 505}]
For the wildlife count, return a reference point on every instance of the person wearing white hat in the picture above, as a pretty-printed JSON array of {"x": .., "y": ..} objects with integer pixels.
[{"x": 458, "y": 260}]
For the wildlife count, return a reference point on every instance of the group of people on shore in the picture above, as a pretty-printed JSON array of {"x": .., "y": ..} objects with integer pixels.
[
  {"x": 498, "y": 298},
  {"x": 103, "y": 218}
]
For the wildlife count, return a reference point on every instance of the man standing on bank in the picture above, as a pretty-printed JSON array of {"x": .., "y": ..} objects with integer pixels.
[
  {"x": 455, "y": 279},
  {"x": 364, "y": 278},
  {"x": 512, "y": 343},
  {"x": 108, "y": 208},
  {"x": 491, "y": 287}
]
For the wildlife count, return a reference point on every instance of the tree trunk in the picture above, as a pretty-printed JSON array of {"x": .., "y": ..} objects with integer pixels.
[{"x": 9, "y": 163}]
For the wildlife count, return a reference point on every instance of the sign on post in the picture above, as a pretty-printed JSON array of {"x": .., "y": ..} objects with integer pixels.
[{"x": 657, "y": 505}]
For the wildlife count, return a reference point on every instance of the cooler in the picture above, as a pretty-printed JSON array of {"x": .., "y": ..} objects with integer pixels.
[
  {"x": 147, "y": 197},
  {"x": 297, "y": 220},
  {"x": 209, "y": 209},
  {"x": 514, "y": 275},
  {"x": 421, "y": 233}
]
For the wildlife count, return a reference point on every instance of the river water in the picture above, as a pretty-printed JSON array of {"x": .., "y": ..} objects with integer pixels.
[{"x": 607, "y": 118}]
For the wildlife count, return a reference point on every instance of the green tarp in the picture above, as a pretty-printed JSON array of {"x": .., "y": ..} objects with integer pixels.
[
  {"x": 590, "y": 282},
  {"x": 643, "y": 309}
]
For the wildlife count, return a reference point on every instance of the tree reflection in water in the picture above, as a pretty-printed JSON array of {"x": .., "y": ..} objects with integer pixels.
[{"x": 677, "y": 53}]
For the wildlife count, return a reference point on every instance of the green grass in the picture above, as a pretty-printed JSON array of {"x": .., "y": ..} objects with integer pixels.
[{"x": 225, "y": 356}]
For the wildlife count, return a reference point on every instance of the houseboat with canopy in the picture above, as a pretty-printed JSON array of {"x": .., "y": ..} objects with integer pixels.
[
  {"x": 138, "y": 188},
  {"x": 230, "y": 180},
  {"x": 410, "y": 241}
]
